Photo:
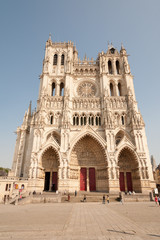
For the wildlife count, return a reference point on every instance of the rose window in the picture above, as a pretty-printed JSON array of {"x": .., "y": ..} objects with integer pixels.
[{"x": 86, "y": 89}]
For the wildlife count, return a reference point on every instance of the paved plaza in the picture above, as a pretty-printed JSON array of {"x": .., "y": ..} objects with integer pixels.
[{"x": 71, "y": 221}]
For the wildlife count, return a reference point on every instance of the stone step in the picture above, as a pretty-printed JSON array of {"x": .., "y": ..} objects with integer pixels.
[{"x": 52, "y": 197}]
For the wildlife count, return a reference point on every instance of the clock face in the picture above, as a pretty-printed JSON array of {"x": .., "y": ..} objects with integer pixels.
[{"x": 86, "y": 89}]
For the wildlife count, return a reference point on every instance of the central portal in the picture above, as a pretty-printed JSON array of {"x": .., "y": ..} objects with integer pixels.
[
  {"x": 125, "y": 181},
  {"x": 88, "y": 166},
  {"x": 83, "y": 179}
]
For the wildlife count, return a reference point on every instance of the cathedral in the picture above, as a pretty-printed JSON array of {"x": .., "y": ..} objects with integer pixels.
[{"x": 86, "y": 133}]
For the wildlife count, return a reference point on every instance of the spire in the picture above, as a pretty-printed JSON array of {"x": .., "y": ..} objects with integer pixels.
[
  {"x": 29, "y": 108},
  {"x": 122, "y": 47},
  {"x": 123, "y": 50},
  {"x": 153, "y": 162},
  {"x": 108, "y": 44},
  {"x": 49, "y": 41}
]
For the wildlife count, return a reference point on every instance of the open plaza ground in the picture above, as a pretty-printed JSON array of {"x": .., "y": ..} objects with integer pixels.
[{"x": 74, "y": 221}]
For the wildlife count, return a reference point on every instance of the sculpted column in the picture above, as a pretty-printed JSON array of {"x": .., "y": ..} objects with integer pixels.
[
  {"x": 57, "y": 89},
  {"x": 113, "y": 176}
]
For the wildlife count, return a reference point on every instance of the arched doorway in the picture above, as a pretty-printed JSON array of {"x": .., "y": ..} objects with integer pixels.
[
  {"x": 50, "y": 165},
  {"x": 88, "y": 166},
  {"x": 129, "y": 176}
]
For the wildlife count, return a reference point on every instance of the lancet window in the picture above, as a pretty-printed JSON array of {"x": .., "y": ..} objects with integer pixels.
[
  {"x": 53, "y": 89},
  {"x": 55, "y": 59},
  {"x": 91, "y": 120},
  {"x": 51, "y": 119},
  {"x": 122, "y": 120},
  {"x": 62, "y": 89},
  {"x": 76, "y": 119},
  {"x": 110, "y": 67},
  {"x": 62, "y": 59},
  {"x": 117, "y": 67},
  {"x": 83, "y": 120},
  {"x": 111, "y": 90}
]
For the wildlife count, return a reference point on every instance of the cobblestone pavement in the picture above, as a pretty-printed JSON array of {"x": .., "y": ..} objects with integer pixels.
[{"x": 74, "y": 221}]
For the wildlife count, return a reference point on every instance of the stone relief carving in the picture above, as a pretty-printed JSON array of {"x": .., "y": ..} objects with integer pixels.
[
  {"x": 102, "y": 174},
  {"x": 73, "y": 173},
  {"x": 116, "y": 103},
  {"x": 86, "y": 103}
]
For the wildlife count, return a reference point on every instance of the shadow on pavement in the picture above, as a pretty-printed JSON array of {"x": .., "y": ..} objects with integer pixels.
[{"x": 121, "y": 232}]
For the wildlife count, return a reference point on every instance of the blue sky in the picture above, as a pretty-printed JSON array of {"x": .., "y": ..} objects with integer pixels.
[{"x": 25, "y": 27}]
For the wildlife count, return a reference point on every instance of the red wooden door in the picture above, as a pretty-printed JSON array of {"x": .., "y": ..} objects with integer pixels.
[
  {"x": 129, "y": 181},
  {"x": 83, "y": 179},
  {"x": 122, "y": 182},
  {"x": 92, "y": 179},
  {"x": 54, "y": 181}
]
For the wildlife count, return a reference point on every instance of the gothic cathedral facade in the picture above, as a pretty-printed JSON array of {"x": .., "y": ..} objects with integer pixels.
[{"x": 87, "y": 133}]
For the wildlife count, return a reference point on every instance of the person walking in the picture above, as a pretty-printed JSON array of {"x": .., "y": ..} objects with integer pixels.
[
  {"x": 69, "y": 197},
  {"x": 75, "y": 193},
  {"x": 121, "y": 198},
  {"x": 103, "y": 199},
  {"x": 156, "y": 200},
  {"x": 108, "y": 199},
  {"x": 84, "y": 198}
]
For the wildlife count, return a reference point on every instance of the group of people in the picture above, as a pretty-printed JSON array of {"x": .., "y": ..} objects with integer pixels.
[{"x": 104, "y": 199}]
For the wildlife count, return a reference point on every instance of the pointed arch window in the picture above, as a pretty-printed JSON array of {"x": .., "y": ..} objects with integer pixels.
[
  {"x": 62, "y": 59},
  {"x": 89, "y": 120},
  {"x": 55, "y": 59},
  {"x": 62, "y": 89},
  {"x": 74, "y": 121},
  {"x": 122, "y": 119},
  {"x": 81, "y": 121},
  {"x": 111, "y": 90},
  {"x": 53, "y": 89},
  {"x": 92, "y": 121},
  {"x": 117, "y": 67},
  {"x": 119, "y": 90},
  {"x": 119, "y": 137},
  {"x": 51, "y": 119},
  {"x": 110, "y": 67},
  {"x": 96, "y": 121},
  {"x": 77, "y": 120}
]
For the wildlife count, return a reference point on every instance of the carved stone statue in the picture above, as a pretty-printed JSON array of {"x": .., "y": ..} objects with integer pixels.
[{"x": 126, "y": 66}]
